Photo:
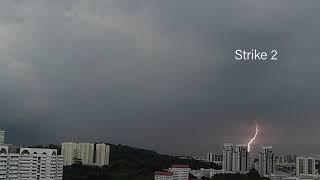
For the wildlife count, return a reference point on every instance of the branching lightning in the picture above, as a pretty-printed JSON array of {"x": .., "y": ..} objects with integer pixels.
[{"x": 254, "y": 137}]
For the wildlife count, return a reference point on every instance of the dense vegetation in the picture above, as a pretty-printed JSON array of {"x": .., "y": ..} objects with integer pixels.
[
  {"x": 130, "y": 163},
  {"x": 252, "y": 175}
]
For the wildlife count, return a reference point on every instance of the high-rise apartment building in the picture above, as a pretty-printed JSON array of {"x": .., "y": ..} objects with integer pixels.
[
  {"x": 240, "y": 159},
  {"x": 210, "y": 157},
  {"x": 227, "y": 157},
  {"x": 305, "y": 166},
  {"x": 86, "y": 153},
  {"x": 30, "y": 164},
  {"x": 102, "y": 152},
  {"x": 70, "y": 153},
  {"x": 266, "y": 164},
  {"x": 215, "y": 158},
  {"x": 2, "y": 136}
]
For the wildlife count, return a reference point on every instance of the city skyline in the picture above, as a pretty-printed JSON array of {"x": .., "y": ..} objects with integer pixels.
[
  {"x": 160, "y": 75},
  {"x": 236, "y": 160}
]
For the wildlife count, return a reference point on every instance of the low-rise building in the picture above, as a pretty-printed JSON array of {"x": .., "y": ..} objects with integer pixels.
[
  {"x": 180, "y": 171},
  {"x": 176, "y": 172},
  {"x": 163, "y": 175}
]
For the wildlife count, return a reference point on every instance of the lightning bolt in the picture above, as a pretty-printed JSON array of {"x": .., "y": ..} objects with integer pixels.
[{"x": 254, "y": 137}]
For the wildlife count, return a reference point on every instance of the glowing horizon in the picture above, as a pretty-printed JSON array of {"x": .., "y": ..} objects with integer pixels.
[{"x": 254, "y": 137}]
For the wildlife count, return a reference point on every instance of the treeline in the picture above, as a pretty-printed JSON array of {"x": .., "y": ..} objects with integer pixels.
[{"x": 252, "y": 175}]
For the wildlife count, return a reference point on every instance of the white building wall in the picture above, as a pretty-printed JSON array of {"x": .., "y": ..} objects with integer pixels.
[
  {"x": 180, "y": 173},
  {"x": 31, "y": 163},
  {"x": 176, "y": 172},
  {"x": 227, "y": 157},
  {"x": 163, "y": 177},
  {"x": 3, "y": 166},
  {"x": 2, "y": 136},
  {"x": 12, "y": 166},
  {"x": 266, "y": 164},
  {"x": 102, "y": 154},
  {"x": 88, "y": 153},
  {"x": 82, "y": 151},
  {"x": 69, "y": 151}
]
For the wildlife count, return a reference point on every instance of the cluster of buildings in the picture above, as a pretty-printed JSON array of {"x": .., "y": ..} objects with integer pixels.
[
  {"x": 305, "y": 166},
  {"x": 29, "y": 163},
  {"x": 18, "y": 163},
  {"x": 85, "y": 153},
  {"x": 266, "y": 161},
  {"x": 300, "y": 168},
  {"x": 236, "y": 159},
  {"x": 285, "y": 159},
  {"x": 46, "y": 164}
]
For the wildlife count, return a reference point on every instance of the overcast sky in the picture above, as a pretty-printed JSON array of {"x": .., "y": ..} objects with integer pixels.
[{"x": 160, "y": 74}]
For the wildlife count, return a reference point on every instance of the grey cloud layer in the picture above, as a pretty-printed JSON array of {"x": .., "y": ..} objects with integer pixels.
[{"x": 158, "y": 74}]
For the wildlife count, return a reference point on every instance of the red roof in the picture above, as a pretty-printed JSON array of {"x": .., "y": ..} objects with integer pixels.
[
  {"x": 180, "y": 166},
  {"x": 163, "y": 173}
]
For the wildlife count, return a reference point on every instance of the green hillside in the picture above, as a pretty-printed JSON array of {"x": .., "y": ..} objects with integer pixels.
[{"x": 128, "y": 163}]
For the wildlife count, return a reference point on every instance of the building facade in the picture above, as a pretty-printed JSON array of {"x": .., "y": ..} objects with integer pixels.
[
  {"x": 163, "y": 175},
  {"x": 305, "y": 166},
  {"x": 30, "y": 163},
  {"x": 215, "y": 158},
  {"x": 227, "y": 157},
  {"x": 240, "y": 159},
  {"x": 2, "y": 136},
  {"x": 102, "y": 152},
  {"x": 176, "y": 172},
  {"x": 70, "y": 152},
  {"x": 266, "y": 161},
  {"x": 86, "y": 153},
  {"x": 180, "y": 171}
]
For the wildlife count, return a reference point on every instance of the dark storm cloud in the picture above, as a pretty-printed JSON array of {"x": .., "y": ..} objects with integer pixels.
[{"x": 158, "y": 74}]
